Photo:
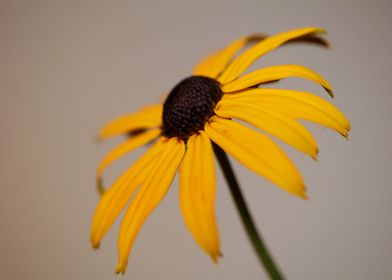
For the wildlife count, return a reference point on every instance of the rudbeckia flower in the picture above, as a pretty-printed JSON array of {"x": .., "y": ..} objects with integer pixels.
[{"x": 199, "y": 112}]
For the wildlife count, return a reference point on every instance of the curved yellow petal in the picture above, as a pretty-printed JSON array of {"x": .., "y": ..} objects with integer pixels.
[
  {"x": 279, "y": 125},
  {"x": 152, "y": 190},
  {"x": 126, "y": 147},
  {"x": 147, "y": 117},
  {"x": 298, "y": 104},
  {"x": 117, "y": 196},
  {"x": 257, "y": 152},
  {"x": 197, "y": 193},
  {"x": 215, "y": 63},
  {"x": 244, "y": 60},
  {"x": 275, "y": 73}
]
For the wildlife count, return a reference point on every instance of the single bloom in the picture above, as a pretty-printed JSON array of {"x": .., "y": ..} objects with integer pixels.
[{"x": 202, "y": 109}]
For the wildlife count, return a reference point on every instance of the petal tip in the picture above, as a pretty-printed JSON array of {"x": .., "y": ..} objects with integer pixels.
[
  {"x": 330, "y": 92},
  {"x": 312, "y": 29},
  {"x": 345, "y": 134},
  {"x": 302, "y": 191},
  {"x": 304, "y": 196},
  {"x": 100, "y": 186},
  {"x": 95, "y": 244},
  {"x": 215, "y": 257},
  {"x": 120, "y": 269},
  {"x": 320, "y": 30},
  {"x": 315, "y": 153}
]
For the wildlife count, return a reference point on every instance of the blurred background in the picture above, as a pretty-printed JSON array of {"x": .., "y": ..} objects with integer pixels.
[{"x": 67, "y": 67}]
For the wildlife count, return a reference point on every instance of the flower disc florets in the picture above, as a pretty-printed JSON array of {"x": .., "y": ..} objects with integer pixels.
[{"x": 189, "y": 106}]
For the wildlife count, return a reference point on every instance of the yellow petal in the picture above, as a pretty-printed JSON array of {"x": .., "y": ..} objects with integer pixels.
[
  {"x": 117, "y": 196},
  {"x": 215, "y": 63},
  {"x": 279, "y": 125},
  {"x": 275, "y": 73},
  {"x": 197, "y": 193},
  {"x": 126, "y": 147},
  {"x": 301, "y": 105},
  {"x": 152, "y": 191},
  {"x": 147, "y": 117},
  {"x": 244, "y": 60},
  {"x": 257, "y": 152}
]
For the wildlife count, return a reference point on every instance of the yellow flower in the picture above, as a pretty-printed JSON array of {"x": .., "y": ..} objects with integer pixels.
[{"x": 201, "y": 109}]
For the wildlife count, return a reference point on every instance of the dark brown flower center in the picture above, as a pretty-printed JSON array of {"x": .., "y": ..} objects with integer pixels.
[{"x": 189, "y": 106}]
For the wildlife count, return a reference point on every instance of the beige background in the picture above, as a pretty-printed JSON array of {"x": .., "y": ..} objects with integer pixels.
[{"x": 66, "y": 67}]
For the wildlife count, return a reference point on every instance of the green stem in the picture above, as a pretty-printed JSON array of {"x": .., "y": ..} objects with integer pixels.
[{"x": 254, "y": 236}]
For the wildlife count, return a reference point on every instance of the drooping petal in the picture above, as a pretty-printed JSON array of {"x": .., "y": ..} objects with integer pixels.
[
  {"x": 244, "y": 60},
  {"x": 148, "y": 117},
  {"x": 257, "y": 152},
  {"x": 117, "y": 196},
  {"x": 197, "y": 193},
  {"x": 275, "y": 73},
  {"x": 152, "y": 190},
  {"x": 298, "y": 104},
  {"x": 279, "y": 125},
  {"x": 215, "y": 63},
  {"x": 126, "y": 147}
]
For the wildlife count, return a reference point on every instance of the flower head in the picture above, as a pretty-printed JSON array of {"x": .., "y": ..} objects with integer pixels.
[{"x": 201, "y": 109}]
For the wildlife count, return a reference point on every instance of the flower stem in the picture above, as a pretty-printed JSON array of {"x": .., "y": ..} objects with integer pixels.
[{"x": 261, "y": 250}]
